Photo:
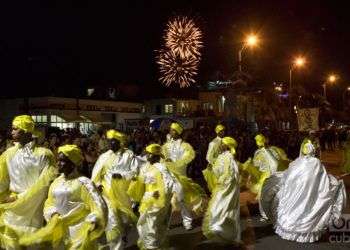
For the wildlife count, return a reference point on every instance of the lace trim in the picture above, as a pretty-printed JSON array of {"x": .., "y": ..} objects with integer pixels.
[{"x": 299, "y": 237}]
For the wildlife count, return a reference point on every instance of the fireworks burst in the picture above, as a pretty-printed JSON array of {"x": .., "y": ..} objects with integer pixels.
[
  {"x": 183, "y": 37},
  {"x": 179, "y": 59},
  {"x": 175, "y": 69}
]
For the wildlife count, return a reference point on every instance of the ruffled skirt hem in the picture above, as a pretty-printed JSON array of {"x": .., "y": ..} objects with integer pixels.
[{"x": 299, "y": 237}]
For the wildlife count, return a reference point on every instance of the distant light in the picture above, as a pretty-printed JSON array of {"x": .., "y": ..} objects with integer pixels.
[
  {"x": 278, "y": 88},
  {"x": 252, "y": 40},
  {"x": 348, "y": 88},
  {"x": 332, "y": 78},
  {"x": 90, "y": 91},
  {"x": 299, "y": 61}
]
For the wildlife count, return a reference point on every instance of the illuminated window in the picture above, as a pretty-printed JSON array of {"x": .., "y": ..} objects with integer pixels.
[
  {"x": 168, "y": 108},
  {"x": 56, "y": 121},
  {"x": 90, "y": 91},
  {"x": 40, "y": 118},
  {"x": 184, "y": 106},
  {"x": 208, "y": 106},
  {"x": 86, "y": 127}
]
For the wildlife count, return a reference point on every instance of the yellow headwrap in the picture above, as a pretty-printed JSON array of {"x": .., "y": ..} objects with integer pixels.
[
  {"x": 260, "y": 140},
  {"x": 308, "y": 148},
  {"x": 154, "y": 149},
  {"x": 219, "y": 128},
  {"x": 231, "y": 143},
  {"x": 177, "y": 127},
  {"x": 73, "y": 153},
  {"x": 24, "y": 122},
  {"x": 114, "y": 134}
]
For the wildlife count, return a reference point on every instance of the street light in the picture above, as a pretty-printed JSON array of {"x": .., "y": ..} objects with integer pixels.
[
  {"x": 251, "y": 41},
  {"x": 300, "y": 61},
  {"x": 297, "y": 63},
  {"x": 330, "y": 79}
]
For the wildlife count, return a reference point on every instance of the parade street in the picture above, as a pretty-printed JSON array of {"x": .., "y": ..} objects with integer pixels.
[
  {"x": 175, "y": 125},
  {"x": 255, "y": 234}
]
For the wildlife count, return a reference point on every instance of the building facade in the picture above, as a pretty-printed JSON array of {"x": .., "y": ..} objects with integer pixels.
[{"x": 85, "y": 114}]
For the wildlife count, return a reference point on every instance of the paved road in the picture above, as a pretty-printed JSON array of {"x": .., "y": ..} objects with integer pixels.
[{"x": 255, "y": 235}]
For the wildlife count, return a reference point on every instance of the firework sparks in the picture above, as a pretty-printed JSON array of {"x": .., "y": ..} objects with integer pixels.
[
  {"x": 175, "y": 69},
  {"x": 183, "y": 37}
]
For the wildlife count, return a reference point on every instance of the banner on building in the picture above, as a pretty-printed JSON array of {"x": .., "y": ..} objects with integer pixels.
[{"x": 308, "y": 119}]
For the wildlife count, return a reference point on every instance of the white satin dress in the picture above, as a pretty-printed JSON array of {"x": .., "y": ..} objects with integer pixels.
[{"x": 303, "y": 200}]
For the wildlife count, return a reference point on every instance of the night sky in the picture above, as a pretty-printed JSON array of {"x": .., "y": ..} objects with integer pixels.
[{"x": 48, "y": 46}]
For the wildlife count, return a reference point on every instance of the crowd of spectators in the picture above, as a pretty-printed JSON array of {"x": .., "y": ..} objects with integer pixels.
[{"x": 199, "y": 137}]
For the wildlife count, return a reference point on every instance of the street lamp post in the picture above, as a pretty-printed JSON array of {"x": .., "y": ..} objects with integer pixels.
[
  {"x": 347, "y": 90},
  {"x": 240, "y": 58},
  {"x": 250, "y": 41},
  {"x": 331, "y": 79},
  {"x": 297, "y": 63}
]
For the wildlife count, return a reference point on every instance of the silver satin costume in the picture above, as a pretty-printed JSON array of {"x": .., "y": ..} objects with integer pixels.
[
  {"x": 77, "y": 203},
  {"x": 153, "y": 222},
  {"x": 221, "y": 221},
  {"x": 213, "y": 150},
  {"x": 65, "y": 198},
  {"x": 181, "y": 153},
  {"x": 303, "y": 200},
  {"x": 266, "y": 159},
  {"x": 124, "y": 163},
  {"x": 25, "y": 165}
]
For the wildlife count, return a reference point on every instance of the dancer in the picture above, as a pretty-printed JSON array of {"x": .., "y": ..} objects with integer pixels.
[
  {"x": 303, "y": 200},
  {"x": 221, "y": 221},
  {"x": 112, "y": 173},
  {"x": 178, "y": 154},
  {"x": 212, "y": 154},
  {"x": 153, "y": 188},
  {"x": 315, "y": 141},
  {"x": 178, "y": 151},
  {"x": 74, "y": 211},
  {"x": 267, "y": 160},
  {"x": 26, "y": 172}
]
